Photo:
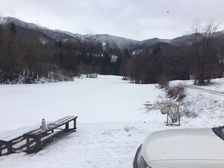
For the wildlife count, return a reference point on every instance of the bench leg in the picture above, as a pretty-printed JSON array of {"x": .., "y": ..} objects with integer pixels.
[
  {"x": 27, "y": 144},
  {"x": 67, "y": 126},
  {"x": 9, "y": 148},
  {"x": 0, "y": 150},
  {"x": 75, "y": 124},
  {"x": 38, "y": 144}
]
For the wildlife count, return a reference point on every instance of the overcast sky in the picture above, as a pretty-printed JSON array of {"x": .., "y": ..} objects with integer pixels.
[{"x": 136, "y": 19}]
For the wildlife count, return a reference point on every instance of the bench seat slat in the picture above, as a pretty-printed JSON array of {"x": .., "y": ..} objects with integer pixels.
[{"x": 52, "y": 126}]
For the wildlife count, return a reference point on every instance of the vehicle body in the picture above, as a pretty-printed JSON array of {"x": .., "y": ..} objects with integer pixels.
[{"x": 182, "y": 148}]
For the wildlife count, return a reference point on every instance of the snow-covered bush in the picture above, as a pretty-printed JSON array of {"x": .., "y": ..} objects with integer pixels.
[
  {"x": 176, "y": 92},
  {"x": 174, "y": 98}
]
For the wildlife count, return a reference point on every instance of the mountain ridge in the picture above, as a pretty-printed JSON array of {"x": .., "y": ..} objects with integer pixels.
[{"x": 112, "y": 40}]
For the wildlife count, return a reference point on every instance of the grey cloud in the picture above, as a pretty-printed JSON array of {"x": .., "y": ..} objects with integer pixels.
[{"x": 137, "y": 19}]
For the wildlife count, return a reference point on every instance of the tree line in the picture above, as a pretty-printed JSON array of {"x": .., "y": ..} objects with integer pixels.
[
  {"x": 28, "y": 56},
  {"x": 200, "y": 60}
]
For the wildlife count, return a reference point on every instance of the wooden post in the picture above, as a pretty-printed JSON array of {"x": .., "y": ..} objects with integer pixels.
[
  {"x": 167, "y": 119},
  {"x": 178, "y": 108}
]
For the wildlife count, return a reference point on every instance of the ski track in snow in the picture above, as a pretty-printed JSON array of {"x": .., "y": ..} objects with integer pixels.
[{"x": 111, "y": 124}]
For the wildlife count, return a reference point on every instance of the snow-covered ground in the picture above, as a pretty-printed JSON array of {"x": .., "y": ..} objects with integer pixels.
[{"x": 112, "y": 120}]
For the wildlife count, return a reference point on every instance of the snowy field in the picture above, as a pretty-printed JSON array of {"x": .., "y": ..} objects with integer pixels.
[{"x": 112, "y": 120}]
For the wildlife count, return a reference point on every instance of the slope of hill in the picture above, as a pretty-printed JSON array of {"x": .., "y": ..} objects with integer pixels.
[
  {"x": 58, "y": 35},
  {"x": 148, "y": 46},
  {"x": 112, "y": 41}
]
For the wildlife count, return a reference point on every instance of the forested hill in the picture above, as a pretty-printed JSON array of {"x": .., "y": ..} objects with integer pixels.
[{"x": 30, "y": 53}]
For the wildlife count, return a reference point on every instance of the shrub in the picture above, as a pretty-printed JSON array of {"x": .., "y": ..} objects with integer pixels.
[{"x": 176, "y": 92}]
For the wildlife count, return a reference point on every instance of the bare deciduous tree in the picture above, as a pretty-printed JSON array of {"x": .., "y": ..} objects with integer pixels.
[{"x": 204, "y": 52}]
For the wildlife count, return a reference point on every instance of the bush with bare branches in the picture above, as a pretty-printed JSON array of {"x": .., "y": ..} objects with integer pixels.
[{"x": 174, "y": 97}]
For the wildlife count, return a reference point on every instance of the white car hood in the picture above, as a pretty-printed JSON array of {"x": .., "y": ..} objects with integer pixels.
[{"x": 192, "y": 147}]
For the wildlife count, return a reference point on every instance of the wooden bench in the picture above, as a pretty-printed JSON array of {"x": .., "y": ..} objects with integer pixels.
[{"x": 35, "y": 140}]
